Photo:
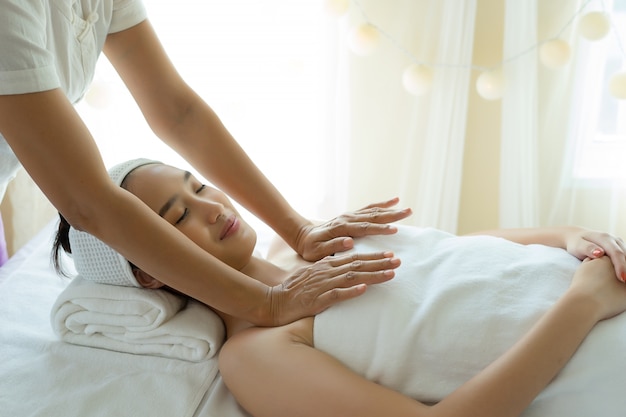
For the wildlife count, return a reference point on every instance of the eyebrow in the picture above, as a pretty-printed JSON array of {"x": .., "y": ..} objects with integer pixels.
[{"x": 172, "y": 200}]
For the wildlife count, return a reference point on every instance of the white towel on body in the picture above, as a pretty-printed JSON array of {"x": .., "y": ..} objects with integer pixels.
[
  {"x": 136, "y": 320},
  {"x": 455, "y": 305}
]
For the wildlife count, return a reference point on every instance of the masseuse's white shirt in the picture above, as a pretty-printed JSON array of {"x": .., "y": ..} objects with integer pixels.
[{"x": 55, "y": 44}]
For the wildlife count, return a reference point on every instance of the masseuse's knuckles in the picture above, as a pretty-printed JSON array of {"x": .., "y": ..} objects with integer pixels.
[
  {"x": 372, "y": 221},
  {"x": 336, "y": 295}
]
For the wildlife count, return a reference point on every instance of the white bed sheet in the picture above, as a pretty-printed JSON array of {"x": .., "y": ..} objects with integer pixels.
[{"x": 42, "y": 376}]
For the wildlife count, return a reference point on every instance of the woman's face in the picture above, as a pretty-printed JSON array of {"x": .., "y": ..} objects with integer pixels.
[{"x": 202, "y": 213}]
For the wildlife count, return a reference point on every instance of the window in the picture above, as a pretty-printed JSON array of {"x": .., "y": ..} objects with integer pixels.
[{"x": 600, "y": 127}]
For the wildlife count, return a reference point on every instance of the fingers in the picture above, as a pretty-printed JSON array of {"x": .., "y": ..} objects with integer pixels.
[
  {"x": 357, "y": 269},
  {"x": 384, "y": 204},
  {"x": 332, "y": 246},
  {"x": 370, "y": 261},
  {"x": 592, "y": 251},
  {"x": 595, "y": 279},
  {"x": 376, "y": 213},
  {"x": 614, "y": 247},
  {"x": 315, "y": 242},
  {"x": 316, "y": 287},
  {"x": 337, "y": 295},
  {"x": 373, "y": 222},
  {"x": 347, "y": 287},
  {"x": 379, "y": 215}
]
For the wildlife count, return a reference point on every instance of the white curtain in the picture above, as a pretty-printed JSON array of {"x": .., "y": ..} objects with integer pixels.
[
  {"x": 518, "y": 168},
  {"x": 335, "y": 130},
  {"x": 590, "y": 189},
  {"x": 390, "y": 143},
  {"x": 548, "y": 123}
]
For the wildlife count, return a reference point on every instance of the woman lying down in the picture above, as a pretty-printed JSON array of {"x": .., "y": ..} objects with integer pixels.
[{"x": 490, "y": 326}]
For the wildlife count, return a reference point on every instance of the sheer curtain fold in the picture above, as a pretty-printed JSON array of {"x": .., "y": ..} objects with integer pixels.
[
  {"x": 439, "y": 187},
  {"x": 519, "y": 155},
  {"x": 403, "y": 145},
  {"x": 597, "y": 203},
  {"x": 546, "y": 122},
  {"x": 335, "y": 130}
]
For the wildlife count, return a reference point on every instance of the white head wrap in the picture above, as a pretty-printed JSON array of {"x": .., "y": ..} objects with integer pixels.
[{"x": 95, "y": 260}]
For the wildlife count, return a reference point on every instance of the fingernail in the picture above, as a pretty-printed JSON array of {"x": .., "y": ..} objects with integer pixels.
[{"x": 597, "y": 252}]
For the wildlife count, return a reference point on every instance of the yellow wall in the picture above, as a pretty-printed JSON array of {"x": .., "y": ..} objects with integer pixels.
[{"x": 480, "y": 189}]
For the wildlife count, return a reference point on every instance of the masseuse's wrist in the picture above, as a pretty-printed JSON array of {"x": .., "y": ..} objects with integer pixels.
[
  {"x": 272, "y": 311},
  {"x": 293, "y": 230}
]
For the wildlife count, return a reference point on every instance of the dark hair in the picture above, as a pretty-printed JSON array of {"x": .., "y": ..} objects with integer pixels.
[{"x": 61, "y": 241}]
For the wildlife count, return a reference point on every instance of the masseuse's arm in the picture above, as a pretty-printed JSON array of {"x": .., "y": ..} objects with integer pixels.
[
  {"x": 186, "y": 123},
  {"x": 580, "y": 242},
  {"x": 57, "y": 150},
  {"x": 276, "y": 372}
]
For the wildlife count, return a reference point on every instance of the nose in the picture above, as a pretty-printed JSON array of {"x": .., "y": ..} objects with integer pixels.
[{"x": 211, "y": 210}]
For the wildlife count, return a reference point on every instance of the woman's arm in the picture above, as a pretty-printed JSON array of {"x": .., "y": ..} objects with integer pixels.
[
  {"x": 187, "y": 124},
  {"x": 276, "y": 372},
  {"x": 57, "y": 150},
  {"x": 580, "y": 242},
  {"x": 59, "y": 153}
]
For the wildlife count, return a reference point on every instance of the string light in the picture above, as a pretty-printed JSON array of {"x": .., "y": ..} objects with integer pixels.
[
  {"x": 554, "y": 53},
  {"x": 594, "y": 25},
  {"x": 417, "y": 79},
  {"x": 364, "y": 39},
  {"x": 490, "y": 84},
  {"x": 337, "y": 7}
]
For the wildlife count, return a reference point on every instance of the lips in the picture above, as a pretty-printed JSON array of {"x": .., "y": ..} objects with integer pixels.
[{"x": 230, "y": 228}]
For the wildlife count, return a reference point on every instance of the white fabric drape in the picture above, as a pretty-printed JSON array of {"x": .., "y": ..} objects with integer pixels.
[
  {"x": 335, "y": 130},
  {"x": 598, "y": 203},
  {"x": 518, "y": 168},
  {"x": 544, "y": 123},
  {"x": 397, "y": 144}
]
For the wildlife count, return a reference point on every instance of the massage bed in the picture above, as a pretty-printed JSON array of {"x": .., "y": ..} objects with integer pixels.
[
  {"x": 143, "y": 374},
  {"x": 43, "y": 376}
]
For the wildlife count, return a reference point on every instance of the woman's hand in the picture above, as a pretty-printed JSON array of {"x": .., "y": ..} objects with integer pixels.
[
  {"x": 312, "y": 289},
  {"x": 583, "y": 243},
  {"x": 316, "y": 241},
  {"x": 595, "y": 279}
]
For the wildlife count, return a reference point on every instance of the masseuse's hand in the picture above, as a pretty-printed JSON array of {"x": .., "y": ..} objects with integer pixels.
[
  {"x": 316, "y": 241},
  {"x": 592, "y": 244},
  {"x": 312, "y": 289}
]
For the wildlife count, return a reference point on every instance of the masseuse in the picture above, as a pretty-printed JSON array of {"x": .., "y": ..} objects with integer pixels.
[{"x": 48, "y": 55}]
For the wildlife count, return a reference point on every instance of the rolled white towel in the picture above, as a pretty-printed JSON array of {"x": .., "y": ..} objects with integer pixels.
[{"x": 136, "y": 320}]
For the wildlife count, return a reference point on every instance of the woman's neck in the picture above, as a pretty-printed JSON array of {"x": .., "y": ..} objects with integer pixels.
[{"x": 264, "y": 271}]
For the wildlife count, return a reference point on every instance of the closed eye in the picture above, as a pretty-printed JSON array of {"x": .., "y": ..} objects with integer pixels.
[
  {"x": 183, "y": 216},
  {"x": 199, "y": 190}
]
